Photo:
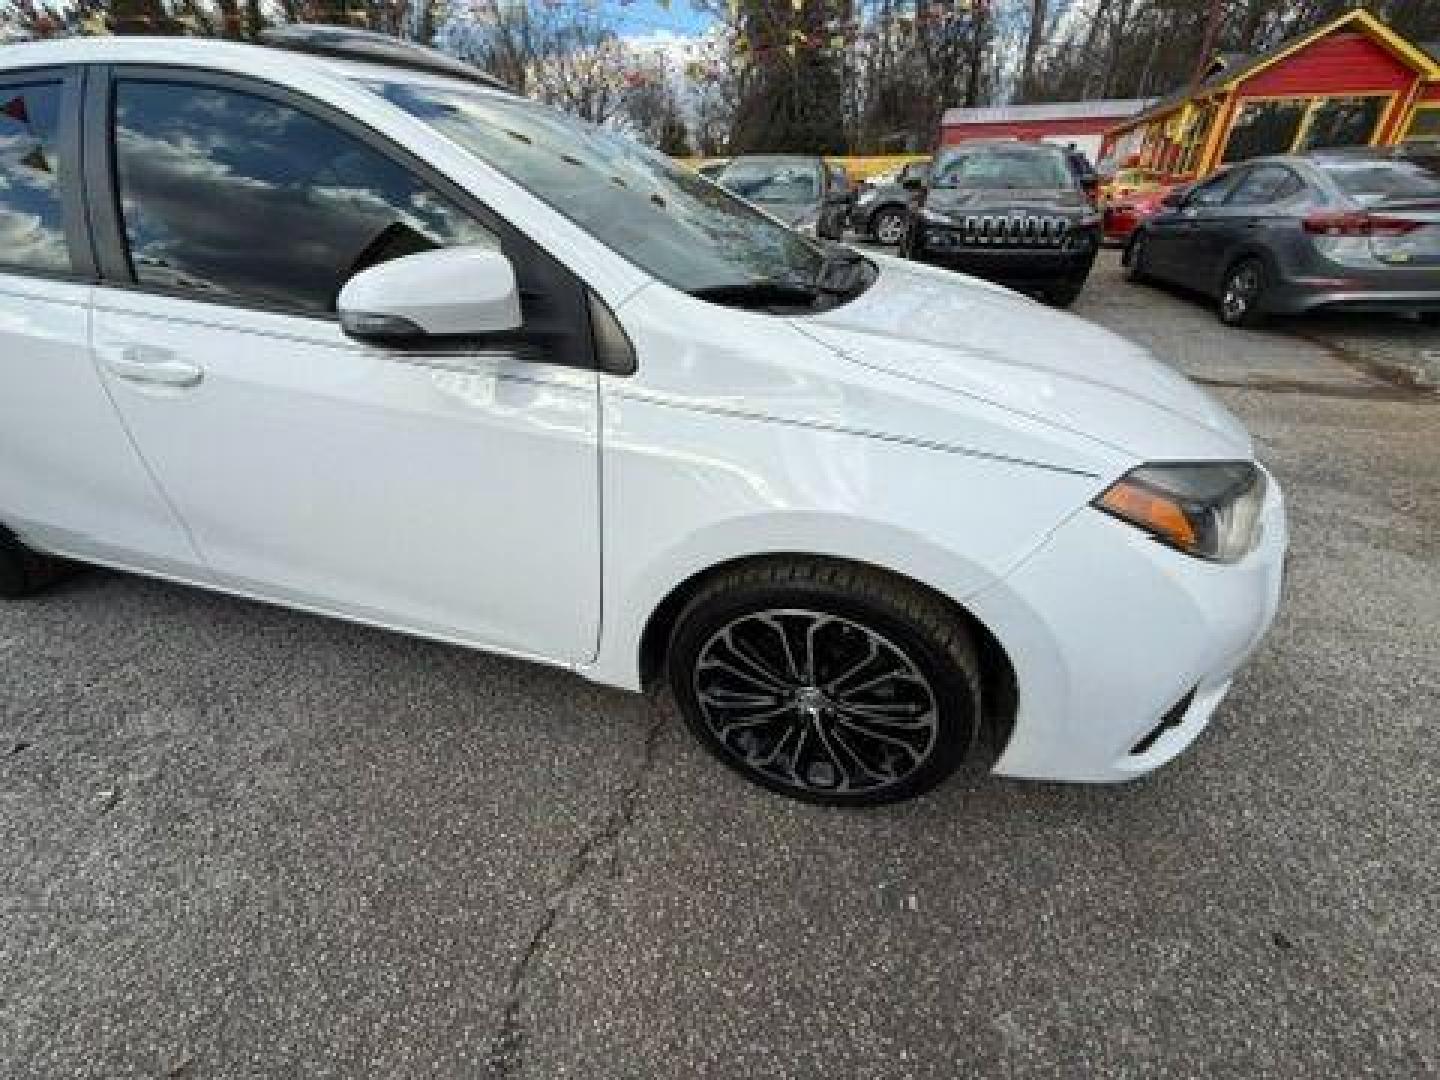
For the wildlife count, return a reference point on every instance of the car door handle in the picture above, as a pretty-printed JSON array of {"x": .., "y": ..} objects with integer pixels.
[{"x": 153, "y": 367}]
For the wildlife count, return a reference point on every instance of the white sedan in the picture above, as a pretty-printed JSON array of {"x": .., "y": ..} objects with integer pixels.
[{"x": 357, "y": 334}]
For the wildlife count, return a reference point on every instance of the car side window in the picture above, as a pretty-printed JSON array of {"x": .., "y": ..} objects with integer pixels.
[
  {"x": 1214, "y": 191},
  {"x": 1265, "y": 184},
  {"x": 32, "y": 218},
  {"x": 232, "y": 195}
]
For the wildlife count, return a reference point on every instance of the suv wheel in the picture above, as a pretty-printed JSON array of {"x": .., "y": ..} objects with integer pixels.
[
  {"x": 888, "y": 226},
  {"x": 1241, "y": 294},
  {"x": 22, "y": 571},
  {"x": 1063, "y": 293},
  {"x": 826, "y": 682}
]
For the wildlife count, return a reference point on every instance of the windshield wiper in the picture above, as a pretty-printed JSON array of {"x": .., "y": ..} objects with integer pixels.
[{"x": 763, "y": 292}]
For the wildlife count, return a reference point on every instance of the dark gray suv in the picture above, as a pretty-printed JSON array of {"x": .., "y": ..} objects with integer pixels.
[
  {"x": 1012, "y": 212},
  {"x": 1287, "y": 235}
]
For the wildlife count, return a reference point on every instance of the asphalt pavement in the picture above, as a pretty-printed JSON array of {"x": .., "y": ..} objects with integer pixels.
[{"x": 237, "y": 841}]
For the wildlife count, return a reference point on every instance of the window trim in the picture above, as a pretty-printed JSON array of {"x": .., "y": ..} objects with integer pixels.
[
  {"x": 76, "y": 222},
  {"x": 102, "y": 192}
]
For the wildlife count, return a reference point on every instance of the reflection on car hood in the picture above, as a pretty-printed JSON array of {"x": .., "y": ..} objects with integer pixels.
[
  {"x": 969, "y": 337},
  {"x": 789, "y": 212}
]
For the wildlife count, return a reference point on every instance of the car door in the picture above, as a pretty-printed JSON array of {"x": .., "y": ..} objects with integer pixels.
[
  {"x": 70, "y": 479},
  {"x": 1262, "y": 199},
  {"x": 453, "y": 493},
  {"x": 1190, "y": 235}
]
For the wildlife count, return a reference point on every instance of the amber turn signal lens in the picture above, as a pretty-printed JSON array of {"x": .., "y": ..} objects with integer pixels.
[{"x": 1152, "y": 511}]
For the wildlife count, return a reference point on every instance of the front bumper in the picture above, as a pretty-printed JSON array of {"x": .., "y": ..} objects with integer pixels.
[
  {"x": 1110, "y": 632},
  {"x": 1005, "y": 264}
]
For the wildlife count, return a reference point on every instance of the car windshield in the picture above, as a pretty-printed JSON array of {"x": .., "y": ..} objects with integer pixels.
[
  {"x": 1017, "y": 167},
  {"x": 1370, "y": 182},
  {"x": 670, "y": 222},
  {"x": 773, "y": 180}
]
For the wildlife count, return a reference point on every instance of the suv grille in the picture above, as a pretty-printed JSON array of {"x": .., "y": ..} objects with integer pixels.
[{"x": 995, "y": 230}]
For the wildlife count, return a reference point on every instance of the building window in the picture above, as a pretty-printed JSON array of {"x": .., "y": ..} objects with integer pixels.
[
  {"x": 1346, "y": 121},
  {"x": 1265, "y": 127},
  {"x": 1424, "y": 125},
  {"x": 1197, "y": 135}
]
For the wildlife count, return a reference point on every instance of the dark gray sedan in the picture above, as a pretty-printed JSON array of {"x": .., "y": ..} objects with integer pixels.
[
  {"x": 882, "y": 212},
  {"x": 1287, "y": 235},
  {"x": 798, "y": 189}
]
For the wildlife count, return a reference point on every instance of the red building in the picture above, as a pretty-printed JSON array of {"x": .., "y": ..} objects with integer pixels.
[
  {"x": 1081, "y": 122},
  {"x": 1351, "y": 82}
]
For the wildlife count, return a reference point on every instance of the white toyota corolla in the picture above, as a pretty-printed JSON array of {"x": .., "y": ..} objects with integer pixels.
[{"x": 335, "y": 325}]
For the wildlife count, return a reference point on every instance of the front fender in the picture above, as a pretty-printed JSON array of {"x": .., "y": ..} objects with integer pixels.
[{"x": 686, "y": 490}]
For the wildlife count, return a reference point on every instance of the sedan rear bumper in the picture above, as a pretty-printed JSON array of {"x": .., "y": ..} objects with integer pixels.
[{"x": 1298, "y": 297}]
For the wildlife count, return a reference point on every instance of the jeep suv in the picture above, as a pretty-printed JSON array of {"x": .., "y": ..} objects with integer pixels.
[{"x": 1010, "y": 212}]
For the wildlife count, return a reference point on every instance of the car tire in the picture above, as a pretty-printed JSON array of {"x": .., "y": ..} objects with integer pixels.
[
  {"x": 1135, "y": 255},
  {"x": 887, "y": 226},
  {"x": 24, "y": 572},
  {"x": 826, "y": 682},
  {"x": 1063, "y": 293},
  {"x": 1241, "y": 293}
]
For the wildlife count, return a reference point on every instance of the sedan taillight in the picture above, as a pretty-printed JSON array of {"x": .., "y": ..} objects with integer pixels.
[{"x": 1358, "y": 223}]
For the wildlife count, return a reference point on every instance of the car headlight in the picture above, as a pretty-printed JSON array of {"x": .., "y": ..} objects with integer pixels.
[{"x": 1210, "y": 510}]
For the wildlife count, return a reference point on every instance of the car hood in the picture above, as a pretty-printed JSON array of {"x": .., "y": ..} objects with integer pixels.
[{"x": 969, "y": 337}]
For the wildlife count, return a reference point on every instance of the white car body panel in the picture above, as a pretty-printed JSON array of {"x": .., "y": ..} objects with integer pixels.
[
  {"x": 69, "y": 476},
  {"x": 326, "y": 474},
  {"x": 942, "y": 428}
]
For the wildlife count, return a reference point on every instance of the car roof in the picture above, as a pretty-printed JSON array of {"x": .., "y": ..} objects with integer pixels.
[{"x": 266, "y": 62}]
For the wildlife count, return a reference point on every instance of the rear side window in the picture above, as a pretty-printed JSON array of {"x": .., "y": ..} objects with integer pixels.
[
  {"x": 1266, "y": 184},
  {"x": 235, "y": 196},
  {"x": 1370, "y": 181},
  {"x": 32, "y": 222}
]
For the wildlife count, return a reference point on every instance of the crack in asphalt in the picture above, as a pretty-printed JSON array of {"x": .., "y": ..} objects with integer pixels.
[{"x": 599, "y": 848}]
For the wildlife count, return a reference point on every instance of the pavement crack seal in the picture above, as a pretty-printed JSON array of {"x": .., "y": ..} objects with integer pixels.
[{"x": 597, "y": 850}]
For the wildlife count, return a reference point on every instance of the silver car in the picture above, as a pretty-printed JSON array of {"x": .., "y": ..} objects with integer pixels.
[{"x": 1357, "y": 231}]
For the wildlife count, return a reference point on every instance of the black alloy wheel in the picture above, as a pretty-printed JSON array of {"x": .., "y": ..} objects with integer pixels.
[
  {"x": 827, "y": 683},
  {"x": 1241, "y": 294}
]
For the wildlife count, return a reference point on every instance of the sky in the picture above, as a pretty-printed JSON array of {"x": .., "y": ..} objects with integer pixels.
[{"x": 647, "y": 18}]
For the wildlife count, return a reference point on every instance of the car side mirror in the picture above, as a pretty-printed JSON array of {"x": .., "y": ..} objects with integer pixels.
[{"x": 458, "y": 292}]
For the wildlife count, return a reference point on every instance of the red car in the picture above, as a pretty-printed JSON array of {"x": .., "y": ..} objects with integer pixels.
[{"x": 1125, "y": 213}]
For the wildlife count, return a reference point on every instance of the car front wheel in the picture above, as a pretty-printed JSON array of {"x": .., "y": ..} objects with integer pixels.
[
  {"x": 1063, "y": 293},
  {"x": 1241, "y": 294},
  {"x": 826, "y": 682},
  {"x": 888, "y": 226},
  {"x": 1136, "y": 256}
]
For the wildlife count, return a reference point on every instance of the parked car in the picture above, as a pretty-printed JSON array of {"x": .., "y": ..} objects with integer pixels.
[
  {"x": 861, "y": 516},
  {"x": 1011, "y": 212},
  {"x": 1124, "y": 214},
  {"x": 1127, "y": 182},
  {"x": 1354, "y": 231},
  {"x": 883, "y": 209},
  {"x": 801, "y": 191}
]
